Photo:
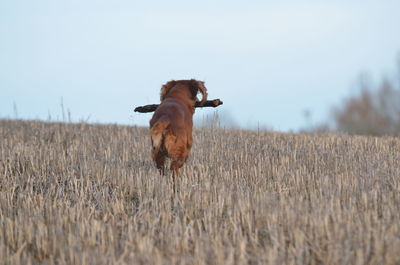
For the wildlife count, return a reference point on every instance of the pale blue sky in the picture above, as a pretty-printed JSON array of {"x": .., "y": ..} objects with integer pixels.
[{"x": 273, "y": 58}]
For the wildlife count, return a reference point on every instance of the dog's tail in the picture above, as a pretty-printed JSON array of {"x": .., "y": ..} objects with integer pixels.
[{"x": 158, "y": 131}]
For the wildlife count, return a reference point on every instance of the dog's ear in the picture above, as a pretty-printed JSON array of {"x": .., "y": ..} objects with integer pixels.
[
  {"x": 166, "y": 88},
  {"x": 198, "y": 86}
]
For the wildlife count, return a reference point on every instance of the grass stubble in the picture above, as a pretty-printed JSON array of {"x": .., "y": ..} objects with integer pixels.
[{"x": 90, "y": 194}]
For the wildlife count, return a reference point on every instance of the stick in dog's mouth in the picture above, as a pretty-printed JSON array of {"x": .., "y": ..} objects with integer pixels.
[{"x": 152, "y": 107}]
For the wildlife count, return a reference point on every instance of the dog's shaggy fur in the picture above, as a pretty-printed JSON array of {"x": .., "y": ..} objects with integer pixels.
[{"x": 172, "y": 123}]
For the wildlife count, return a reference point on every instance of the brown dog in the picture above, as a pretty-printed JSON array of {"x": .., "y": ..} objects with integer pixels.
[{"x": 172, "y": 123}]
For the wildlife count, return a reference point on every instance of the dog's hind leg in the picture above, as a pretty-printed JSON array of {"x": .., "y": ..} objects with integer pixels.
[
  {"x": 159, "y": 158},
  {"x": 160, "y": 164},
  {"x": 175, "y": 166}
]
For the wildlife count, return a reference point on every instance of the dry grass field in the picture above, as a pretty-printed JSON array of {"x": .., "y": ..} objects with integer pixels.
[{"x": 89, "y": 194}]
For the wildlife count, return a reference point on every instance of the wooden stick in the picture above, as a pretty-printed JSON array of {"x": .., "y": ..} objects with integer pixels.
[{"x": 152, "y": 107}]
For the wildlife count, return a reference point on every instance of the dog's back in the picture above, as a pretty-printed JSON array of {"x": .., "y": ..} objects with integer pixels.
[{"x": 171, "y": 129}]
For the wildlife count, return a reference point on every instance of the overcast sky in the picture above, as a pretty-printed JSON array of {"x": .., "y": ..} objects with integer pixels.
[{"x": 268, "y": 60}]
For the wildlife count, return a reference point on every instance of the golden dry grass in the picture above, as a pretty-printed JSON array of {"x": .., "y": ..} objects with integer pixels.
[{"x": 89, "y": 194}]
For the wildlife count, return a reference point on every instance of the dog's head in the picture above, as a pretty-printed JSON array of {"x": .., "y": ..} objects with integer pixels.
[{"x": 185, "y": 87}]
